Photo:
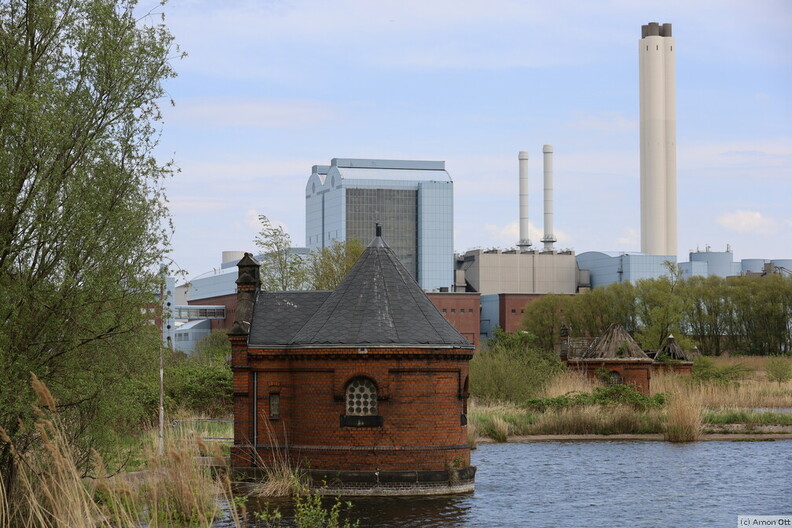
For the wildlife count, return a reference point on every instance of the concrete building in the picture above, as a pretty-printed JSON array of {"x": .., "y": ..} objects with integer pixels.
[
  {"x": 657, "y": 81},
  {"x": 513, "y": 271},
  {"x": 366, "y": 385},
  {"x": 412, "y": 200}
]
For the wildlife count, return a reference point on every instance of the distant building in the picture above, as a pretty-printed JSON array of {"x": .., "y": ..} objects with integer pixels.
[
  {"x": 721, "y": 264},
  {"x": 514, "y": 271},
  {"x": 607, "y": 268},
  {"x": 412, "y": 200}
]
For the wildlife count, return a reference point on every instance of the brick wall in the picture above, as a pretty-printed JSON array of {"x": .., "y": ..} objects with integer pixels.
[
  {"x": 463, "y": 311},
  {"x": 638, "y": 374},
  {"x": 421, "y": 400},
  {"x": 229, "y": 301}
]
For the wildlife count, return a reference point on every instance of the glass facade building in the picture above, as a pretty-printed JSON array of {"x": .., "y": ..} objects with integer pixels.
[{"x": 411, "y": 200}]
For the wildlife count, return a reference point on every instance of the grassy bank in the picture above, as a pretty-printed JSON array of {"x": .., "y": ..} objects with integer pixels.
[
  {"x": 181, "y": 486},
  {"x": 724, "y": 392}
]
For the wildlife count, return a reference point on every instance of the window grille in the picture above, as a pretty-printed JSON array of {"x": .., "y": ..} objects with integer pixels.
[{"x": 361, "y": 398}]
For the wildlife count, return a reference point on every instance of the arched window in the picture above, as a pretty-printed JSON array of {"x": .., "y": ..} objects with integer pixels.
[
  {"x": 614, "y": 378},
  {"x": 361, "y": 397}
]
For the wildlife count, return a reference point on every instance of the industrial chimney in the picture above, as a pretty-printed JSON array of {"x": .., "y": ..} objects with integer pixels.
[
  {"x": 524, "y": 242},
  {"x": 657, "y": 85},
  {"x": 548, "y": 238}
]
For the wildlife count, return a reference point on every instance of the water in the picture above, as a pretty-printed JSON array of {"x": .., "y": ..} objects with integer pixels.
[{"x": 604, "y": 484}]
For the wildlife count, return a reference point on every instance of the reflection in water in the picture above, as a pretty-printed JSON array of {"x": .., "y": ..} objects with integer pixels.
[{"x": 601, "y": 484}]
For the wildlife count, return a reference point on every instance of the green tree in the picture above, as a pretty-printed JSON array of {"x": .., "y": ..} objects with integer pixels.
[
  {"x": 661, "y": 305},
  {"x": 328, "y": 266},
  {"x": 82, "y": 211},
  {"x": 281, "y": 268}
]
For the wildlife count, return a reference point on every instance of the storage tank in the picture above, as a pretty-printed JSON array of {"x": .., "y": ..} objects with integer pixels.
[
  {"x": 719, "y": 263},
  {"x": 752, "y": 265}
]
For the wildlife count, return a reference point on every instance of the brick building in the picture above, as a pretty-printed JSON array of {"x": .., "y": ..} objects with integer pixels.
[
  {"x": 366, "y": 385},
  {"x": 614, "y": 357}
]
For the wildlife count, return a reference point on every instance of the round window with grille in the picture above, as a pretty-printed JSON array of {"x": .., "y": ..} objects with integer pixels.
[{"x": 361, "y": 398}]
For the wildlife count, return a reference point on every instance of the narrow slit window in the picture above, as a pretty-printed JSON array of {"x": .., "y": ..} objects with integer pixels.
[{"x": 274, "y": 406}]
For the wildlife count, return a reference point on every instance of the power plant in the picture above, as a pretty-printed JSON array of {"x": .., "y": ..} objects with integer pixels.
[{"x": 657, "y": 85}]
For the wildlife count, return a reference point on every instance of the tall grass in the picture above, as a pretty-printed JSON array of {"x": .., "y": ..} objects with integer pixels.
[
  {"x": 569, "y": 381},
  {"x": 744, "y": 393},
  {"x": 684, "y": 415},
  {"x": 50, "y": 490},
  {"x": 597, "y": 419}
]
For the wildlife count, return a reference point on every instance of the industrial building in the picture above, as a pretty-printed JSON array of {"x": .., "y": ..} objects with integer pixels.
[
  {"x": 608, "y": 267},
  {"x": 412, "y": 200},
  {"x": 709, "y": 263}
]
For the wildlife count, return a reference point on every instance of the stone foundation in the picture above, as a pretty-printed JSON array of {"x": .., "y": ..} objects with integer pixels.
[{"x": 378, "y": 483}]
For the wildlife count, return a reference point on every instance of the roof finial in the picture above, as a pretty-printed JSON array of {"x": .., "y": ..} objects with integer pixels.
[{"x": 379, "y": 230}]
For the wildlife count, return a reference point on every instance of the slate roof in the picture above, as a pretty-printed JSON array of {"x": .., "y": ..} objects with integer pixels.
[
  {"x": 378, "y": 304},
  {"x": 278, "y": 316}
]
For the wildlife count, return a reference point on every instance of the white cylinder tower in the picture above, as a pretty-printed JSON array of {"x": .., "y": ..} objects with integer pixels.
[
  {"x": 525, "y": 241},
  {"x": 657, "y": 80},
  {"x": 548, "y": 238}
]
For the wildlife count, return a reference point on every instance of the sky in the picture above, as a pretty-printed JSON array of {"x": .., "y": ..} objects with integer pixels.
[{"x": 271, "y": 87}]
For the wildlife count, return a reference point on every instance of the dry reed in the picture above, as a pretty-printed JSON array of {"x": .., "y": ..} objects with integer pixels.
[
  {"x": 684, "y": 415},
  {"x": 749, "y": 393},
  {"x": 282, "y": 477},
  {"x": 569, "y": 381},
  {"x": 51, "y": 490}
]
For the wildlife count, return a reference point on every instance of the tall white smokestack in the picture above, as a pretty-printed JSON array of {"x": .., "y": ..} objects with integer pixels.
[
  {"x": 525, "y": 241},
  {"x": 658, "y": 140},
  {"x": 548, "y": 237}
]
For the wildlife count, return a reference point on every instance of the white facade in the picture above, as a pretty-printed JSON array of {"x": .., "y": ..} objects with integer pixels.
[{"x": 657, "y": 80}]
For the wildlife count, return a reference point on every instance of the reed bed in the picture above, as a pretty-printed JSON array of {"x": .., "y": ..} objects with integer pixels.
[
  {"x": 684, "y": 416},
  {"x": 51, "y": 490},
  {"x": 749, "y": 393},
  {"x": 596, "y": 419},
  {"x": 567, "y": 382}
]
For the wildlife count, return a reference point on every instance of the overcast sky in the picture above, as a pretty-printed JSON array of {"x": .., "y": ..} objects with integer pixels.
[{"x": 272, "y": 87}]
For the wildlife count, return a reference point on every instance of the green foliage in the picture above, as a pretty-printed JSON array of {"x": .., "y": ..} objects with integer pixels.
[
  {"x": 705, "y": 371},
  {"x": 610, "y": 395},
  {"x": 750, "y": 315},
  {"x": 743, "y": 416},
  {"x": 281, "y": 268},
  {"x": 214, "y": 347},
  {"x": 310, "y": 511},
  {"x": 779, "y": 369},
  {"x": 328, "y": 266},
  {"x": 511, "y": 368},
  {"x": 83, "y": 220},
  {"x": 200, "y": 386}
]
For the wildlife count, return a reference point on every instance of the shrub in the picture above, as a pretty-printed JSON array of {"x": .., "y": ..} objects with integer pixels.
[
  {"x": 704, "y": 370},
  {"x": 779, "y": 369},
  {"x": 607, "y": 396},
  {"x": 511, "y": 368}
]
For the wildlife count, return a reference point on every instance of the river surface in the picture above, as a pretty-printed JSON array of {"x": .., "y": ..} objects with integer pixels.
[{"x": 603, "y": 484}]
